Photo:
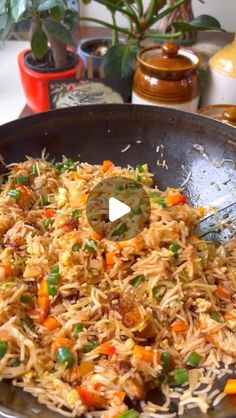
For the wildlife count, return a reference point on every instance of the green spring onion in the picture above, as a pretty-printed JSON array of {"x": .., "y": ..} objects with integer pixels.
[
  {"x": 54, "y": 275},
  {"x": 119, "y": 230},
  {"x": 153, "y": 194},
  {"x": 15, "y": 194},
  {"x": 90, "y": 346},
  {"x": 160, "y": 201},
  {"x": 156, "y": 292},
  {"x": 137, "y": 280},
  {"x": 76, "y": 247},
  {"x": 76, "y": 213},
  {"x": 16, "y": 362},
  {"x": 161, "y": 379},
  {"x": 137, "y": 211},
  {"x": 77, "y": 329},
  {"x": 52, "y": 290},
  {"x": 174, "y": 248},
  {"x": 35, "y": 171},
  {"x": 119, "y": 188},
  {"x": 65, "y": 356},
  {"x": 138, "y": 171},
  {"x": 194, "y": 359},
  {"x": 180, "y": 376},
  {"x": 45, "y": 199},
  {"x": 3, "y": 348},
  {"x": 47, "y": 222},
  {"x": 131, "y": 413},
  {"x": 21, "y": 180},
  {"x": 166, "y": 359},
  {"x": 26, "y": 298},
  {"x": 88, "y": 247},
  {"x": 216, "y": 316}
]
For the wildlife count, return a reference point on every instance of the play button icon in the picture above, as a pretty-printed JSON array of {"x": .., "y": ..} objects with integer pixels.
[{"x": 118, "y": 208}]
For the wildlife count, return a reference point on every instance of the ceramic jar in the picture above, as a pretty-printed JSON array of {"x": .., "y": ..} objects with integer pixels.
[
  {"x": 223, "y": 113},
  {"x": 221, "y": 80},
  {"x": 167, "y": 76}
]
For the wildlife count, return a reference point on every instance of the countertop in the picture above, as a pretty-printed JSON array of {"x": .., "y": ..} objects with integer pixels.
[{"x": 12, "y": 101}]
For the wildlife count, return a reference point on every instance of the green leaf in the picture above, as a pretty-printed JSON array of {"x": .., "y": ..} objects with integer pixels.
[
  {"x": 202, "y": 22},
  {"x": 3, "y": 5},
  {"x": 39, "y": 43},
  {"x": 17, "y": 7},
  {"x": 71, "y": 19},
  {"x": 50, "y": 4},
  {"x": 119, "y": 61},
  {"x": 58, "y": 31}
]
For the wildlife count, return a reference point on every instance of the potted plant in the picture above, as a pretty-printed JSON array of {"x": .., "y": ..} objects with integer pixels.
[
  {"x": 143, "y": 19},
  {"x": 50, "y": 56}
]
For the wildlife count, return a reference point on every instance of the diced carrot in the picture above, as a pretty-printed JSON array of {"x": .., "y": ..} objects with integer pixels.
[
  {"x": 142, "y": 354},
  {"x": 95, "y": 235},
  {"x": 83, "y": 197},
  {"x": 229, "y": 316},
  {"x": 222, "y": 292},
  {"x": 230, "y": 387},
  {"x": 120, "y": 395},
  {"x": 34, "y": 313},
  {"x": 179, "y": 326},
  {"x": 90, "y": 398},
  {"x": 7, "y": 269},
  {"x": 85, "y": 367},
  {"x": 74, "y": 175},
  {"x": 174, "y": 199},
  {"x": 61, "y": 342},
  {"x": 49, "y": 213},
  {"x": 24, "y": 190},
  {"x": 43, "y": 288},
  {"x": 110, "y": 260},
  {"x": 43, "y": 303},
  {"x": 107, "y": 165},
  {"x": 105, "y": 348},
  {"x": 20, "y": 241},
  {"x": 51, "y": 324}
]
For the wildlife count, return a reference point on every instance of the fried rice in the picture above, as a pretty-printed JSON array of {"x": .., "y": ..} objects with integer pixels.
[{"x": 87, "y": 324}]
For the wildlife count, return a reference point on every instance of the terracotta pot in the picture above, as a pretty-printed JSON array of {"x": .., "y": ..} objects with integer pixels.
[
  {"x": 167, "y": 76},
  {"x": 35, "y": 83}
]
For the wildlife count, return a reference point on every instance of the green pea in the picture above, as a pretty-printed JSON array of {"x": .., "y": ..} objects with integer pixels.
[{"x": 180, "y": 376}]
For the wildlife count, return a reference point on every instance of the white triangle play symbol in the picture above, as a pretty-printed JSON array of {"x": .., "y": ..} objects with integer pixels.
[{"x": 117, "y": 209}]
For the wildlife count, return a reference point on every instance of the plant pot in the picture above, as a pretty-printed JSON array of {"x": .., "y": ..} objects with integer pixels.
[
  {"x": 35, "y": 83},
  {"x": 93, "y": 47}
]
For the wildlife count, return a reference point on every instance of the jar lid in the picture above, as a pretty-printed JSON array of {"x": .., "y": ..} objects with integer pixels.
[
  {"x": 223, "y": 112},
  {"x": 169, "y": 58}
]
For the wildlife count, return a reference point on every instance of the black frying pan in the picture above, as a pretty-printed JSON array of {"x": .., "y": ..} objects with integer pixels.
[{"x": 95, "y": 133}]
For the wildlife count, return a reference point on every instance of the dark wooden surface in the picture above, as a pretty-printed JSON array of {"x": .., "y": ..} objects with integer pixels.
[{"x": 217, "y": 38}]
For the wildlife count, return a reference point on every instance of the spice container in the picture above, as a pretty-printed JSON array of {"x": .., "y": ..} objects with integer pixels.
[
  {"x": 221, "y": 80},
  {"x": 224, "y": 113},
  {"x": 167, "y": 76}
]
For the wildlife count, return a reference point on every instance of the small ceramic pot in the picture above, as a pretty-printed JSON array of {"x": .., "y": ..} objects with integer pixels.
[
  {"x": 167, "y": 76},
  {"x": 222, "y": 112},
  {"x": 221, "y": 80},
  {"x": 35, "y": 83},
  {"x": 95, "y": 48}
]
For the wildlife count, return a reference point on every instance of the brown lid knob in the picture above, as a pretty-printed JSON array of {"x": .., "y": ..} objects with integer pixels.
[
  {"x": 229, "y": 114},
  {"x": 170, "y": 49}
]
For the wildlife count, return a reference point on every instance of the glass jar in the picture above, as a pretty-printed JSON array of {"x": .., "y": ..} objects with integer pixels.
[{"x": 167, "y": 76}]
